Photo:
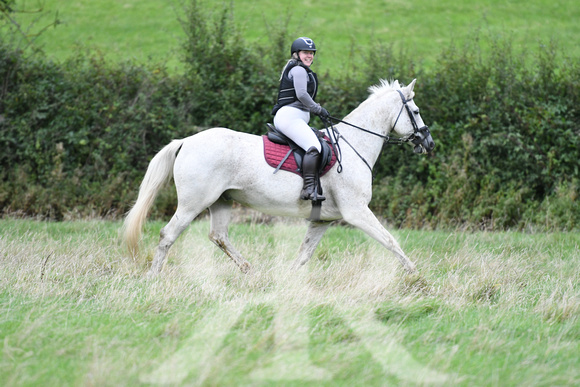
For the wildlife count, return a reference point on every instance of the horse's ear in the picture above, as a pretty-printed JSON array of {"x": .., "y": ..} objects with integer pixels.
[{"x": 409, "y": 89}]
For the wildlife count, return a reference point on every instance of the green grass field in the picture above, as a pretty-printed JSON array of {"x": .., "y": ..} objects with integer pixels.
[
  {"x": 496, "y": 309},
  {"x": 148, "y": 30}
]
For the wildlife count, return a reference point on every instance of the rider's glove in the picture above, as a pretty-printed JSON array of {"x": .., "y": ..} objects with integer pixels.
[{"x": 323, "y": 113}]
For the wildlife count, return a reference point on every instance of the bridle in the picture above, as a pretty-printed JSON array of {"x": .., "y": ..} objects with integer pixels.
[{"x": 414, "y": 138}]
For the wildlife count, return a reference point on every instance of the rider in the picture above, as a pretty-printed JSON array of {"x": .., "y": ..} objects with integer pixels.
[{"x": 298, "y": 87}]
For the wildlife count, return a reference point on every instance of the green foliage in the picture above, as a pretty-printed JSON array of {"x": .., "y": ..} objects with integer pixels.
[
  {"x": 76, "y": 137},
  {"x": 506, "y": 136},
  {"x": 6, "y": 6},
  {"x": 233, "y": 82}
]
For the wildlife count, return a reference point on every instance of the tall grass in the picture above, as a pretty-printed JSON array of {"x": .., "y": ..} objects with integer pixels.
[{"x": 485, "y": 309}]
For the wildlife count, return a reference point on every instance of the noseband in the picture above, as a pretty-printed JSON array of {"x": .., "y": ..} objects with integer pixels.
[{"x": 415, "y": 138}]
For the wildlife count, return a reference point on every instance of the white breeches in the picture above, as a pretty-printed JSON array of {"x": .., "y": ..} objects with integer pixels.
[{"x": 293, "y": 123}]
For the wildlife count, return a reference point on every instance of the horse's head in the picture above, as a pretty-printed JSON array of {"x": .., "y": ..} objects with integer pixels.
[{"x": 410, "y": 126}]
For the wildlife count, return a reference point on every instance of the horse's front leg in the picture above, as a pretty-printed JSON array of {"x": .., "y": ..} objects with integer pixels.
[
  {"x": 368, "y": 222},
  {"x": 313, "y": 236}
]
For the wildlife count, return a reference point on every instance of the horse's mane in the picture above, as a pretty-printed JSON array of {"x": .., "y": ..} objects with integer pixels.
[
  {"x": 377, "y": 92},
  {"x": 385, "y": 86}
]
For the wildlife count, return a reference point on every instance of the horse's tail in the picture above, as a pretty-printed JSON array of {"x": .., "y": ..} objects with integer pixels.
[{"x": 159, "y": 171}]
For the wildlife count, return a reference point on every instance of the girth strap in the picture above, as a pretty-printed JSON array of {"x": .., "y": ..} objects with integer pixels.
[{"x": 283, "y": 161}]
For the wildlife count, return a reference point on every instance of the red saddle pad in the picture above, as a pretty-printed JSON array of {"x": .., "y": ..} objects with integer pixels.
[{"x": 274, "y": 153}]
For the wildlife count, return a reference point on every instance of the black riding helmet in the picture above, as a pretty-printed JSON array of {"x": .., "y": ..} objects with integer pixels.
[{"x": 303, "y": 44}]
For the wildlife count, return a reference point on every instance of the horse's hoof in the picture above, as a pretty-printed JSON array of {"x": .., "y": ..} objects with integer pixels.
[
  {"x": 245, "y": 267},
  {"x": 416, "y": 283},
  {"x": 411, "y": 268},
  {"x": 296, "y": 265}
]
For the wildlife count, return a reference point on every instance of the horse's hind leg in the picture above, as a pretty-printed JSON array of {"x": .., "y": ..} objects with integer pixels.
[
  {"x": 178, "y": 223},
  {"x": 313, "y": 236},
  {"x": 220, "y": 213}
]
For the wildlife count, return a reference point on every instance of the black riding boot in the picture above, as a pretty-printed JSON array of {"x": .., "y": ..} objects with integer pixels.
[{"x": 310, "y": 166}]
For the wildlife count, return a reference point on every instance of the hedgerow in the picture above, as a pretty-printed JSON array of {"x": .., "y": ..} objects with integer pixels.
[
  {"x": 76, "y": 137},
  {"x": 508, "y": 142}
]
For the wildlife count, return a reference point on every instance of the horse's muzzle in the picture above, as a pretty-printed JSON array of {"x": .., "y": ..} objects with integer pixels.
[{"x": 423, "y": 141}]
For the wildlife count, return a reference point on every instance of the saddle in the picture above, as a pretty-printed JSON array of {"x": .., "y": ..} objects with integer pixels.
[{"x": 282, "y": 153}]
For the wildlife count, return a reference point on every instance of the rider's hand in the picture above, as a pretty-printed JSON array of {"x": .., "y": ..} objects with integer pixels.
[{"x": 323, "y": 113}]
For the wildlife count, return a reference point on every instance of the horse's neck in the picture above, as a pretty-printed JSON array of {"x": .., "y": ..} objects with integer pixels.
[{"x": 367, "y": 144}]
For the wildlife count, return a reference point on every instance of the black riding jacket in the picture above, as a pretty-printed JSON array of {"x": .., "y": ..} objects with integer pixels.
[{"x": 286, "y": 91}]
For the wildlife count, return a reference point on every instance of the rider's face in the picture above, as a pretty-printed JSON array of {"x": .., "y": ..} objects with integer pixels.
[{"x": 306, "y": 57}]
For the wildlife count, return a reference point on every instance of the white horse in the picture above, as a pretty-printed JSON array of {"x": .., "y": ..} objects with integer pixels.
[{"x": 217, "y": 166}]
